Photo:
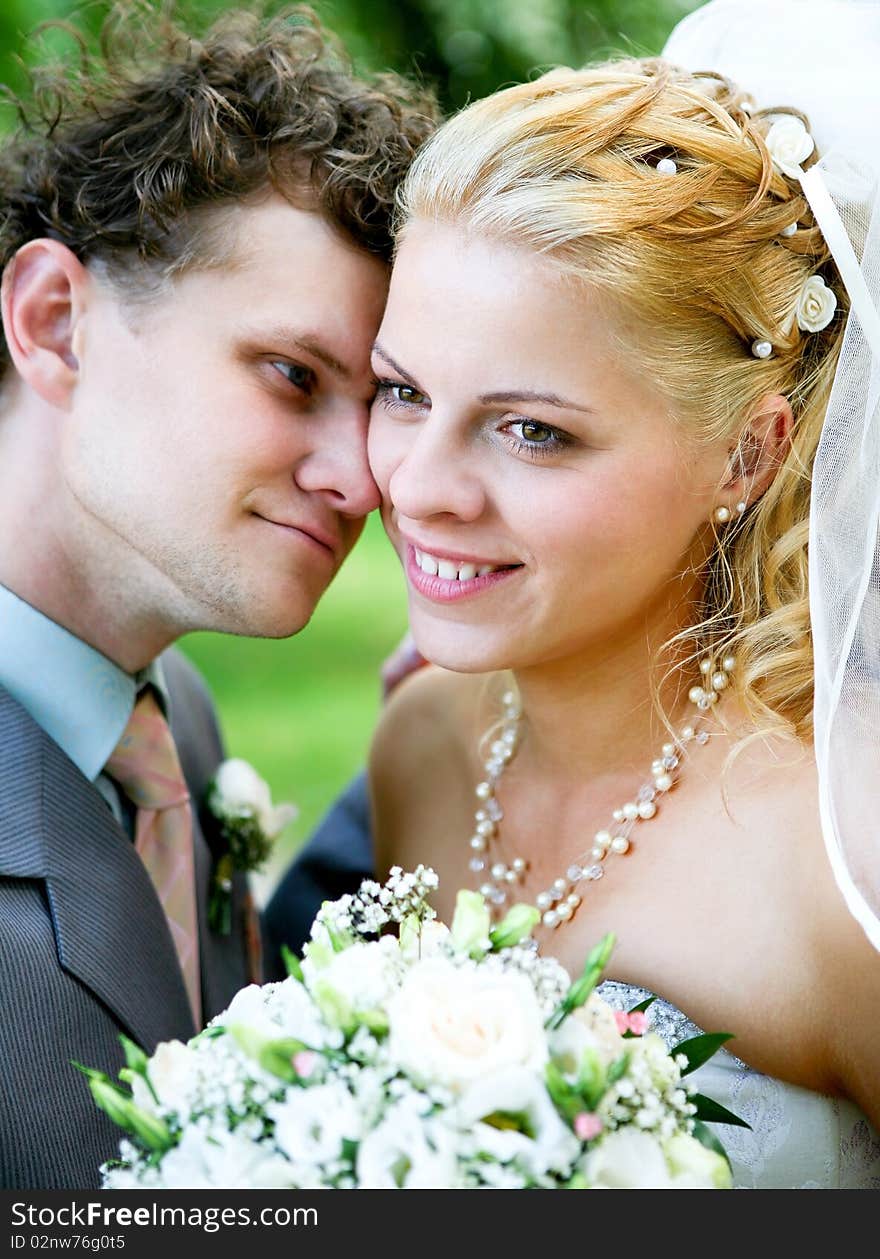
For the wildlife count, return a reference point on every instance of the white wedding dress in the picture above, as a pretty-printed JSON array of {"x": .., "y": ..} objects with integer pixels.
[{"x": 798, "y": 1139}]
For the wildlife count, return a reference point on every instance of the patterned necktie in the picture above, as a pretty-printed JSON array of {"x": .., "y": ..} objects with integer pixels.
[{"x": 147, "y": 768}]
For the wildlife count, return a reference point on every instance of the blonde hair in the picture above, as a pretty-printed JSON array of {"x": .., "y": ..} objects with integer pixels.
[{"x": 567, "y": 166}]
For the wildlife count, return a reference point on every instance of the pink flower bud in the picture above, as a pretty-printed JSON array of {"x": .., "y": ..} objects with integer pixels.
[
  {"x": 304, "y": 1063},
  {"x": 587, "y": 1126},
  {"x": 638, "y": 1023},
  {"x": 621, "y": 1018}
]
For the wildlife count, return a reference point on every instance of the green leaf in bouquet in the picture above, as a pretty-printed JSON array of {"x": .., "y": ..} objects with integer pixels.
[
  {"x": 699, "y": 1049},
  {"x": 517, "y": 925},
  {"x": 642, "y": 1006},
  {"x": 292, "y": 964},
  {"x": 707, "y": 1137},
  {"x": 710, "y": 1111},
  {"x": 135, "y": 1058},
  {"x": 564, "y": 1096},
  {"x": 274, "y": 1056},
  {"x": 579, "y": 992},
  {"x": 121, "y": 1109},
  {"x": 335, "y": 1008},
  {"x": 375, "y": 1021},
  {"x": 578, "y": 1181},
  {"x": 470, "y": 924},
  {"x": 618, "y": 1068},
  {"x": 591, "y": 1079}
]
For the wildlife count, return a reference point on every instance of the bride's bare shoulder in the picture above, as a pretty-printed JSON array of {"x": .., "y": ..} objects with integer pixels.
[{"x": 431, "y": 722}]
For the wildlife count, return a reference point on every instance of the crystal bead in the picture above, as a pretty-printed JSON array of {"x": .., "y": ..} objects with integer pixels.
[
  {"x": 574, "y": 874},
  {"x": 703, "y": 738},
  {"x": 646, "y": 794},
  {"x": 594, "y": 872},
  {"x": 551, "y": 918},
  {"x": 483, "y": 791},
  {"x": 670, "y": 762},
  {"x": 544, "y": 900},
  {"x": 478, "y": 843},
  {"x": 494, "y": 768},
  {"x": 477, "y": 864},
  {"x": 509, "y": 737},
  {"x": 497, "y": 897},
  {"x": 486, "y": 890},
  {"x": 494, "y": 810}
]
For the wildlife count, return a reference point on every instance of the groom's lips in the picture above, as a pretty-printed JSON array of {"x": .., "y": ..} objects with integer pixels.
[{"x": 314, "y": 533}]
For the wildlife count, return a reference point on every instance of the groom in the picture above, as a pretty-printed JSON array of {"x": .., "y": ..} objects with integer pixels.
[{"x": 194, "y": 267}]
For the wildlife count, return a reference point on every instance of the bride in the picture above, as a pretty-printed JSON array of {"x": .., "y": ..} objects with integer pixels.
[{"x": 608, "y": 350}]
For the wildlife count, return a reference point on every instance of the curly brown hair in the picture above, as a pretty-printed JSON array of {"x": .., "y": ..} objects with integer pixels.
[{"x": 122, "y": 159}]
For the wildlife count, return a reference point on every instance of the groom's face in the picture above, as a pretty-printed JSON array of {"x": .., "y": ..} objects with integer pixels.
[{"x": 217, "y": 439}]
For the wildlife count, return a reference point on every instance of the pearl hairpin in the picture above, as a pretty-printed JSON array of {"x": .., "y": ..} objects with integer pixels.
[
  {"x": 762, "y": 349},
  {"x": 666, "y": 166}
]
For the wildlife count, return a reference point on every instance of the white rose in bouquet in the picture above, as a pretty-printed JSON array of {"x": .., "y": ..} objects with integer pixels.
[{"x": 451, "y": 1024}]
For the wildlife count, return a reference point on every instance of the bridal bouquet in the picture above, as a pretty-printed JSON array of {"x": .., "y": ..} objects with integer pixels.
[{"x": 400, "y": 1053}]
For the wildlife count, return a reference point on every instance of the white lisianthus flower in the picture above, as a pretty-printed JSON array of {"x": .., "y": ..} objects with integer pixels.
[
  {"x": 172, "y": 1071},
  {"x": 312, "y": 1123},
  {"x": 408, "y": 1151},
  {"x": 360, "y": 978},
  {"x": 249, "y": 1008},
  {"x": 450, "y": 1024},
  {"x": 693, "y": 1166},
  {"x": 239, "y": 791},
  {"x": 789, "y": 144},
  {"x": 218, "y": 1159},
  {"x": 295, "y": 1014},
  {"x": 816, "y": 305},
  {"x": 627, "y": 1159},
  {"x": 551, "y": 1146}
]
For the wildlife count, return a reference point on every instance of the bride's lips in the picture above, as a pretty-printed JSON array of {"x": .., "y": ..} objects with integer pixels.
[{"x": 450, "y": 589}]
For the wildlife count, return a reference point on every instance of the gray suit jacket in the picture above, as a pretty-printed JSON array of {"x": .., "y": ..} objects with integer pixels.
[{"x": 85, "y": 949}]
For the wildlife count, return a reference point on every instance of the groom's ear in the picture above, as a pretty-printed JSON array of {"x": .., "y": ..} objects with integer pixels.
[
  {"x": 761, "y": 450},
  {"x": 43, "y": 294}
]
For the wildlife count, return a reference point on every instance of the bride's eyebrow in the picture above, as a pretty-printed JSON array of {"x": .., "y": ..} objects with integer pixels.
[
  {"x": 527, "y": 395},
  {"x": 386, "y": 358}
]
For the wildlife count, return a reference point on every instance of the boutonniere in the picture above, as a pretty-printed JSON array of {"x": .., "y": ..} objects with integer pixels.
[{"x": 250, "y": 823}]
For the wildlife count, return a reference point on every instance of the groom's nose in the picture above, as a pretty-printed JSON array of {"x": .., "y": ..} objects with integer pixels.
[{"x": 336, "y": 464}]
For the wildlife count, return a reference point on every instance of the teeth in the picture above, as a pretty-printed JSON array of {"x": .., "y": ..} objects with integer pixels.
[{"x": 448, "y": 569}]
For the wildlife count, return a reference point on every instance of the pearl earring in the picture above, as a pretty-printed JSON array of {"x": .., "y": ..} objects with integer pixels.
[
  {"x": 722, "y": 515},
  {"x": 740, "y": 508}
]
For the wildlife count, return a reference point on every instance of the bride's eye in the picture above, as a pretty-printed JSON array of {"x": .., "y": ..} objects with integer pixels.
[
  {"x": 535, "y": 439},
  {"x": 392, "y": 395}
]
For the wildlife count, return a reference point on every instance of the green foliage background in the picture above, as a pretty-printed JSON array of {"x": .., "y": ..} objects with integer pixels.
[{"x": 302, "y": 710}]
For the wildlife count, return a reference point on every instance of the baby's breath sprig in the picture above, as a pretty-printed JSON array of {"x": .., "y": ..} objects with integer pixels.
[{"x": 374, "y": 906}]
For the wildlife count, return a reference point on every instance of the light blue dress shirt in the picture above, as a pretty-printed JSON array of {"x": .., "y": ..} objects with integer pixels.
[{"x": 80, "y": 698}]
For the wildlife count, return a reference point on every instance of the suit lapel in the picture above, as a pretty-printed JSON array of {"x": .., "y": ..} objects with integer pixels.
[{"x": 109, "y": 927}]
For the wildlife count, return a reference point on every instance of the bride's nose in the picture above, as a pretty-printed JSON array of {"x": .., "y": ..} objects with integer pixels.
[{"x": 438, "y": 475}]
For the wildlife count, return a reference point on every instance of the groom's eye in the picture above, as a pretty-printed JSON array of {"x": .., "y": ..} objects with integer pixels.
[{"x": 302, "y": 378}]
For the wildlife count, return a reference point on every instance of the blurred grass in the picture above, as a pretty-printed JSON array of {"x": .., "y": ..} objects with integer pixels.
[{"x": 302, "y": 710}]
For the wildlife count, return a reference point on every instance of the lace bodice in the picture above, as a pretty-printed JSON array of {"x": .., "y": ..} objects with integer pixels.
[{"x": 798, "y": 1139}]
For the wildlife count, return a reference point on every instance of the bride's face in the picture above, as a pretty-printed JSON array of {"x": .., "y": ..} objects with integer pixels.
[{"x": 541, "y": 497}]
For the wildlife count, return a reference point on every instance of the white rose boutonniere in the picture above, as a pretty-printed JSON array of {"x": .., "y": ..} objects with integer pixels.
[
  {"x": 249, "y": 824},
  {"x": 816, "y": 305},
  {"x": 789, "y": 144}
]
